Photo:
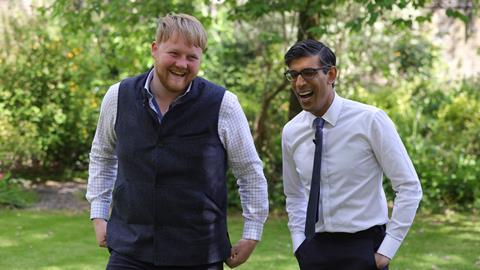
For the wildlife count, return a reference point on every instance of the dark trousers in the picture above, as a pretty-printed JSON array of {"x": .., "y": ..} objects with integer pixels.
[
  {"x": 341, "y": 251},
  {"x": 118, "y": 261}
]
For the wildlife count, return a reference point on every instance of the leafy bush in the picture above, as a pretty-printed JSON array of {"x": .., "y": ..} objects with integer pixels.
[
  {"x": 12, "y": 193},
  {"x": 439, "y": 126},
  {"x": 48, "y": 98}
]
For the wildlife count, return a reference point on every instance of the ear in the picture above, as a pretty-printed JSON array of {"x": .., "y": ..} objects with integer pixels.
[
  {"x": 332, "y": 74},
  {"x": 154, "y": 49}
]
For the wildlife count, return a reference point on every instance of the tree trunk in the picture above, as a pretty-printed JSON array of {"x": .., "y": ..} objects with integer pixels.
[
  {"x": 305, "y": 22},
  {"x": 260, "y": 135}
]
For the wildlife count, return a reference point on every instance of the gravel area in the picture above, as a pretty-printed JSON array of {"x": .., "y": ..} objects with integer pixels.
[{"x": 61, "y": 195}]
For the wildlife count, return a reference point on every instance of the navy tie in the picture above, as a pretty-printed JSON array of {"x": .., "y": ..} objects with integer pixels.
[{"x": 313, "y": 200}]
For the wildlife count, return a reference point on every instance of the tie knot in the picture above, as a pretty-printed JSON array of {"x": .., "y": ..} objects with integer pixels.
[{"x": 318, "y": 122}]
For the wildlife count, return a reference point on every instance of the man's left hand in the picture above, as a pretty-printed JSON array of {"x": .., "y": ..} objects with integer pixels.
[
  {"x": 381, "y": 260},
  {"x": 240, "y": 252}
]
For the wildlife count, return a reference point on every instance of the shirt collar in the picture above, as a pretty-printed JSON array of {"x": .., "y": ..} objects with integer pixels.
[
  {"x": 149, "y": 80},
  {"x": 332, "y": 114}
]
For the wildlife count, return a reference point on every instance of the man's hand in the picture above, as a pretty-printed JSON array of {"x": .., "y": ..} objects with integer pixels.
[
  {"x": 381, "y": 260},
  {"x": 240, "y": 252},
  {"x": 100, "y": 226}
]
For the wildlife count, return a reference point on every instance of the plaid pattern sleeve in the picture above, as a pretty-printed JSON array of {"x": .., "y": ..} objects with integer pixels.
[
  {"x": 102, "y": 170},
  {"x": 246, "y": 165}
]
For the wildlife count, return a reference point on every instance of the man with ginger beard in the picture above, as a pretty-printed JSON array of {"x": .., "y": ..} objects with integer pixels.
[
  {"x": 159, "y": 159},
  {"x": 335, "y": 153}
]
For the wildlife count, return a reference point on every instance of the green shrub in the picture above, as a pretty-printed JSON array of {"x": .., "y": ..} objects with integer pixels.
[
  {"x": 12, "y": 193},
  {"x": 439, "y": 127},
  {"x": 49, "y": 100}
]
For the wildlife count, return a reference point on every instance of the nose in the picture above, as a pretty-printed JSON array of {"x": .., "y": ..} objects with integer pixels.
[
  {"x": 182, "y": 62},
  {"x": 299, "y": 82}
]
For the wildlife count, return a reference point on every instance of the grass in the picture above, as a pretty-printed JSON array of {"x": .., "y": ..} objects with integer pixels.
[
  {"x": 48, "y": 240},
  {"x": 60, "y": 240},
  {"x": 450, "y": 242}
]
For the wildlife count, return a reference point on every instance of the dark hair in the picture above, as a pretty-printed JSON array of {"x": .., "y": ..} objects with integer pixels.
[{"x": 311, "y": 47}]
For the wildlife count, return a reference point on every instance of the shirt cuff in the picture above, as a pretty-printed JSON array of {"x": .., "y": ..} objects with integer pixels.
[
  {"x": 389, "y": 246},
  {"x": 99, "y": 209},
  {"x": 297, "y": 240},
  {"x": 252, "y": 230}
]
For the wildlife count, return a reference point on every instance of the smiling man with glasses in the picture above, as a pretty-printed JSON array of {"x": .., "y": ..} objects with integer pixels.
[{"x": 335, "y": 153}]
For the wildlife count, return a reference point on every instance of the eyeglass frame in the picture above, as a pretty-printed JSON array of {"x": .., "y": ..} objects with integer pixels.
[{"x": 301, "y": 72}]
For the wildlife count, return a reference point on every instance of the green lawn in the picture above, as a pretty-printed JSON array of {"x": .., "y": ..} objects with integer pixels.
[{"x": 59, "y": 240}]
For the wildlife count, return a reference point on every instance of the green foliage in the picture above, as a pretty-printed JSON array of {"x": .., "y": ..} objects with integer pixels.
[
  {"x": 48, "y": 97},
  {"x": 55, "y": 67},
  {"x": 450, "y": 149},
  {"x": 457, "y": 14},
  {"x": 13, "y": 194},
  {"x": 439, "y": 126}
]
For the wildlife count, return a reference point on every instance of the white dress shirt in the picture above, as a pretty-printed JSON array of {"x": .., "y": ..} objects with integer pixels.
[
  {"x": 360, "y": 144},
  {"x": 235, "y": 136}
]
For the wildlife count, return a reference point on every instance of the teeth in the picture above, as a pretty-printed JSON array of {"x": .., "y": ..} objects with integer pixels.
[
  {"x": 178, "y": 73},
  {"x": 305, "y": 93}
]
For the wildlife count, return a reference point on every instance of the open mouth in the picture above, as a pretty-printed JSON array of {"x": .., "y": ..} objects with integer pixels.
[
  {"x": 178, "y": 73},
  {"x": 305, "y": 95}
]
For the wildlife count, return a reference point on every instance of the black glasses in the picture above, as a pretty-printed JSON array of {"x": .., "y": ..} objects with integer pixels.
[{"x": 307, "y": 73}]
